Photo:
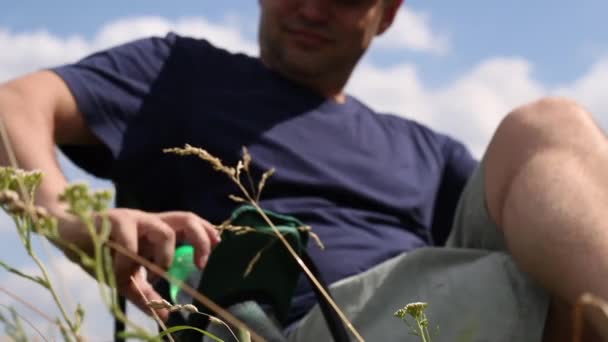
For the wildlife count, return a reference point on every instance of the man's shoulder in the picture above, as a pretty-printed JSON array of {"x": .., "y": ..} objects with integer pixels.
[
  {"x": 408, "y": 125},
  {"x": 398, "y": 121},
  {"x": 198, "y": 47},
  {"x": 189, "y": 52}
]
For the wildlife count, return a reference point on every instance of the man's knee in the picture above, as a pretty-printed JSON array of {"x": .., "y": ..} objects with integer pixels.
[
  {"x": 550, "y": 122},
  {"x": 547, "y": 124}
]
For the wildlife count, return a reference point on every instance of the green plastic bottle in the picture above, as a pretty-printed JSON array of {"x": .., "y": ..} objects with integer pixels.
[{"x": 181, "y": 268}]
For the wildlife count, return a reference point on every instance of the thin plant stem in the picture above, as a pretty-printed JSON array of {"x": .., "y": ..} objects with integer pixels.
[
  {"x": 53, "y": 292},
  {"x": 308, "y": 273},
  {"x": 100, "y": 271},
  {"x": 215, "y": 319},
  {"x": 19, "y": 273},
  {"x": 223, "y": 314},
  {"x": 154, "y": 314},
  {"x": 28, "y": 323},
  {"x": 250, "y": 181},
  {"x": 13, "y": 162},
  {"x": 111, "y": 303},
  {"x": 6, "y": 142},
  {"x": 253, "y": 199},
  {"x": 28, "y": 305},
  {"x": 257, "y": 257},
  {"x": 114, "y": 307},
  {"x": 421, "y": 331},
  {"x": 62, "y": 286},
  {"x": 103, "y": 273},
  {"x": 245, "y": 336},
  {"x": 426, "y": 328},
  {"x": 99, "y": 265}
]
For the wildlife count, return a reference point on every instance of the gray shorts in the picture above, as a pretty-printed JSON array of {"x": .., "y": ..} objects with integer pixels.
[{"x": 474, "y": 290}]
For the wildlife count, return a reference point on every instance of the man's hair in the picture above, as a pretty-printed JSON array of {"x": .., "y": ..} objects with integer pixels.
[{"x": 389, "y": 2}]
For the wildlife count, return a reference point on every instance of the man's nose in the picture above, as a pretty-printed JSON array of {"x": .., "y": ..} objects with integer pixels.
[{"x": 315, "y": 10}]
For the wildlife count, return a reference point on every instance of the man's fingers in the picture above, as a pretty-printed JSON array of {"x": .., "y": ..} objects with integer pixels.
[
  {"x": 141, "y": 293},
  {"x": 213, "y": 232},
  {"x": 198, "y": 232},
  {"x": 124, "y": 233},
  {"x": 161, "y": 237},
  {"x": 214, "y": 238}
]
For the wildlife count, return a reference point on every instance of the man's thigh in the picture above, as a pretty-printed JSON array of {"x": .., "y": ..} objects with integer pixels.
[
  {"x": 473, "y": 227},
  {"x": 474, "y": 290}
]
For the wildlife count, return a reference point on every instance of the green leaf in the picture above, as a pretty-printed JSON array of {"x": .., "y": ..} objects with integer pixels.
[
  {"x": 79, "y": 316},
  {"x": 35, "y": 279}
]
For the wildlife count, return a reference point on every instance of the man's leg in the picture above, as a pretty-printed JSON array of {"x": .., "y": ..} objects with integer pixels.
[{"x": 547, "y": 188}]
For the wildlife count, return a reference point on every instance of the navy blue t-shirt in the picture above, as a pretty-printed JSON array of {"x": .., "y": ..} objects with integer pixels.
[{"x": 371, "y": 185}]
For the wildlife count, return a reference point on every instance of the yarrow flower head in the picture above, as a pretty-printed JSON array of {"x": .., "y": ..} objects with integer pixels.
[
  {"x": 421, "y": 322},
  {"x": 82, "y": 201},
  {"x": 415, "y": 310},
  {"x": 20, "y": 181}
]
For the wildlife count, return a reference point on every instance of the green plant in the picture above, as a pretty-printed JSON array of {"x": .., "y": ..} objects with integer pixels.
[
  {"x": 420, "y": 324},
  {"x": 17, "y": 189},
  {"x": 14, "y": 328}
]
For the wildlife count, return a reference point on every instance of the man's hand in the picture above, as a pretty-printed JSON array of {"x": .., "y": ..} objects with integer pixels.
[
  {"x": 38, "y": 110},
  {"x": 152, "y": 236}
]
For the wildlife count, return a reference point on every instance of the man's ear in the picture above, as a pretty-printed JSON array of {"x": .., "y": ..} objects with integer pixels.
[{"x": 390, "y": 12}]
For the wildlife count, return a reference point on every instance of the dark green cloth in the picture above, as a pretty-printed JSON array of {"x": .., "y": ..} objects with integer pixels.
[{"x": 274, "y": 275}]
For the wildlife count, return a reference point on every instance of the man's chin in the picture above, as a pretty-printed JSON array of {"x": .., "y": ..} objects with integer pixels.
[
  {"x": 305, "y": 64},
  {"x": 304, "y": 71}
]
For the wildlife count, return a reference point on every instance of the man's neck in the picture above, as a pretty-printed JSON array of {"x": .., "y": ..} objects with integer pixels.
[
  {"x": 330, "y": 87},
  {"x": 327, "y": 88},
  {"x": 340, "y": 98}
]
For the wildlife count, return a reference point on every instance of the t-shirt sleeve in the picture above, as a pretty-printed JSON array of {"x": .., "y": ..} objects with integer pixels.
[
  {"x": 109, "y": 88},
  {"x": 458, "y": 167}
]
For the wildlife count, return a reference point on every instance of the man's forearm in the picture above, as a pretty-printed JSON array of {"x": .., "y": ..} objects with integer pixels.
[{"x": 29, "y": 137}]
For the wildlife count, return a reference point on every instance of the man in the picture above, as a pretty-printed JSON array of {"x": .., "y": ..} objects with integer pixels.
[{"x": 372, "y": 186}]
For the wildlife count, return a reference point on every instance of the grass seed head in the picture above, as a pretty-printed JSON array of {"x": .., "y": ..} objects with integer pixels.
[
  {"x": 215, "y": 162},
  {"x": 246, "y": 159},
  {"x": 190, "y": 308}
]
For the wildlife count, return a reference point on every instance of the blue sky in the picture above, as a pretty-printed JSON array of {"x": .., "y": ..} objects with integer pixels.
[
  {"x": 458, "y": 66},
  {"x": 559, "y": 37}
]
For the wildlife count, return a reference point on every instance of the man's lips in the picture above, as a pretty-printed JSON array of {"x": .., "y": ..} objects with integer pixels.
[{"x": 308, "y": 38}]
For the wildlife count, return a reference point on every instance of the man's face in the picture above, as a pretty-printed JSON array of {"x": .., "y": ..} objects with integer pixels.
[{"x": 306, "y": 38}]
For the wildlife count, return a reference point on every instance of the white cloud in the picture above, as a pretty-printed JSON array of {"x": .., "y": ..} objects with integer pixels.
[
  {"x": 127, "y": 29},
  {"x": 412, "y": 30},
  {"x": 469, "y": 108},
  {"x": 24, "y": 52},
  {"x": 590, "y": 90}
]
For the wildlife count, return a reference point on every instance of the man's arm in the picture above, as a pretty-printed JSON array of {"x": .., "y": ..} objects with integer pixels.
[
  {"x": 38, "y": 111},
  {"x": 458, "y": 167}
]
